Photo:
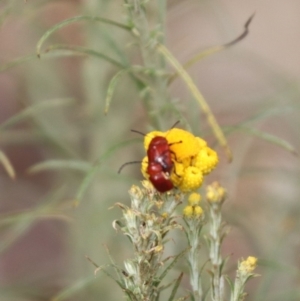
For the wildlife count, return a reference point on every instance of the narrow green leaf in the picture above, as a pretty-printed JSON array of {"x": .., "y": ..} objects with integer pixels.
[
  {"x": 14, "y": 218},
  {"x": 48, "y": 165},
  {"x": 213, "y": 50},
  {"x": 17, "y": 61},
  {"x": 73, "y": 50},
  {"x": 175, "y": 288},
  {"x": 7, "y": 165},
  {"x": 31, "y": 57},
  {"x": 203, "y": 266},
  {"x": 230, "y": 282},
  {"x": 117, "y": 269},
  {"x": 270, "y": 112},
  {"x": 111, "y": 89},
  {"x": 166, "y": 286},
  {"x": 223, "y": 264},
  {"x": 211, "y": 119},
  {"x": 110, "y": 276},
  {"x": 157, "y": 296},
  {"x": 15, "y": 231},
  {"x": 35, "y": 109},
  {"x": 205, "y": 295},
  {"x": 170, "y": 266},
  {"x": 192, "y": 297},
  {"x": 73, "y": 289},
  {"x": 267, "y": 137},
  {"x": 20, "y": 223},
  {"x": 74, "y": 20},
  {"x": 162, "y": 13}
]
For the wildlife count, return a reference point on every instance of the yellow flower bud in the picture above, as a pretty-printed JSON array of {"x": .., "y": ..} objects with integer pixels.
[
  {"x": 147, "y": 184},
  {"x": 194, "y": 199},
  {"x": 192, "y": 179},
  {"x": 248, "y": 265},
  {"x": 136, "y": 193},
  {"x": 188, "y": 211},
  {"x": 215, "y": 193},
  {"x": 198, "y": 211},
  {"x": 206, "y": 160},
  {"x": 165, "y": 215}
]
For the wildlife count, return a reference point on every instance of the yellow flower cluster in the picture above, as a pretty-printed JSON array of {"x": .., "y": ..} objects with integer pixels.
[
  {"x": 191, "y": 156},
  {"x": 247, "y": 266},
  {"x": 193, "y": 210}
]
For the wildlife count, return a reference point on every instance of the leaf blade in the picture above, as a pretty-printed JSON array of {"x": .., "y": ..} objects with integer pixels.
[
  {"x": 111, "y": 89},
  {"x": 7, "y": 165},
  {"x": 66, "y": 22}
]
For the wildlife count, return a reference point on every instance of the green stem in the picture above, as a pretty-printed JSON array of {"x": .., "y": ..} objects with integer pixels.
[
  {"x": 215, "y": 250},
  {"x": 156, "y": 93},
  {"x": 193, "y": 259}
]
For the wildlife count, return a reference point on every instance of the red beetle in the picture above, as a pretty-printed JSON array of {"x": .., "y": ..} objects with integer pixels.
[
  {"x": 159, "y": 179},
  {"x": 160, "y": 164},
  {"x": 159, "y": 152}
]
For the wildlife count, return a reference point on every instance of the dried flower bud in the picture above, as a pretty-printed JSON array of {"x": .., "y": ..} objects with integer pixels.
[{"x": 215, "y": 193}]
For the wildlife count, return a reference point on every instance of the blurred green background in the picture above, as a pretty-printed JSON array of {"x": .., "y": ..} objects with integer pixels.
[{"x": 64, "y": 149}]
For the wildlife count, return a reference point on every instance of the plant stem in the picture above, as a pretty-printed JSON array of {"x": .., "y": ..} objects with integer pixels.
[
  {"x": 215, "y": 250},
  {"x": 193, "y": 233},
  {"x": 156, "y": 93}
]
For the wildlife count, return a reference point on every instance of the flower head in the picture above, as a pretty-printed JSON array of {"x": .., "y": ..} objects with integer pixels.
[
  {"x": 188, "y": 211},
  {"x": 192, "y": 179},
  {"x": 194, "y": 199},
  {"x": 192, "y": 212},
  {"x": 191, "y": 158},
  {"x": 215, "y": 193},
  {"x": 198, "y": 211},
  {"x": 206, "y": 160},
  {"x": 247, "y": 266},
  {"x": 182, "y": 143},
  {"x": 243, "y": 274}
]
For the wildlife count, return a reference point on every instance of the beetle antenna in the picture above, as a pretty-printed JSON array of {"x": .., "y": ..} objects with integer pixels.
[
  {"x": 175, "y": 124},
  {"x": 141, "y": 133},
  {"x": 175, "y": 143},
  {"x": 128, "y": 163},
  {"x": 135, "y": 131}
]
